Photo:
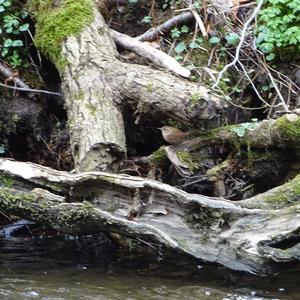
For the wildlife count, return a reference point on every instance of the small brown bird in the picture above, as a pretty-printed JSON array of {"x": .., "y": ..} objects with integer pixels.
[{"x": 173, "y": 135}]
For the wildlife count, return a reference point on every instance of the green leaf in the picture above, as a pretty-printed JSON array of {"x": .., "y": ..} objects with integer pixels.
[
  {"x": 7, "y": 43},
  {"x": 270, "y": 56},
  {"x": 24, "y": 27},
  {"x": 196, "y": 5},
  {"x": 6, "y": 3},
  {"x": 184, "y": 29},
  {"x": 239, "y": 131},
  {"x": 175, "y": 33},
  {"x": 232, "y": 38},
  {"x": 9, "y": 30},
  {"x": 23, "y": 14},
  {"x": 4, "y": 52},
  {"x": 2, "y": 9},
  {"x": 180, "y": 48},
  {"x": 214, "y": 40},
  {"x": 193, "y": 45},
  {"x": 17, "y": 43},
  {"x": 147, "y": 20}
]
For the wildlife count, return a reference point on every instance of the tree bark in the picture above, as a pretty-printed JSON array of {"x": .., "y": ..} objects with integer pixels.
[
  {"x": 96, "y": 85},
  {"x": 244, "y": 236},
  {"x": 213, "y": 230}
]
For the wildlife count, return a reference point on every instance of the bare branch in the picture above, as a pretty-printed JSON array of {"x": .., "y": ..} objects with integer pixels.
[{"x": 238, "y": 48}]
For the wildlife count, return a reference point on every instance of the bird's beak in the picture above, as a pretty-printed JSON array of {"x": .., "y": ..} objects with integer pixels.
[{"x": 159, "y": 128}]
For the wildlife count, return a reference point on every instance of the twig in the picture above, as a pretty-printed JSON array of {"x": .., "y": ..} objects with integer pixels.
[
  {"x": 238, "y": 48},
  {"x": 7, "y": 74},
  {"x": 28, "y": 90},
  {"x": 199, "y": 22},
  {"x": 153, "y": 33},
  {"x": 252, "y": 84},
  {"x": 275, "y": 85}
]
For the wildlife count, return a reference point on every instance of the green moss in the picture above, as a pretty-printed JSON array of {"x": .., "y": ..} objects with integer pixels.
[
  {"x": 159, "y": 155},
  {"x": 6, "y": 181},
  {"x": 186, "y": 158},
  {"x": 86, "y": 205},
  {"x": 255, "y": 157},
  {"x": 288, "y": 193},
  {"x": 9, "y": 199},
  {"x": 195, "y": 98},
  {"x": 288, "y": 130},
  {"x": 54, "y": 24}
]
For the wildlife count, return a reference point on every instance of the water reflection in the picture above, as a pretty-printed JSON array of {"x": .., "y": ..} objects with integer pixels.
[{"x": 56, "y": 268}]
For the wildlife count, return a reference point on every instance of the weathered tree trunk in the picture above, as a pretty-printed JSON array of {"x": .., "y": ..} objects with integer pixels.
[
  {"x": 210, "y": 229},
  {"x": 96, "y": 84}
]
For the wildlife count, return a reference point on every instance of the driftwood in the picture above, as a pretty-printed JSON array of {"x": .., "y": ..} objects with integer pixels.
[{"x": 213, "y": 230}]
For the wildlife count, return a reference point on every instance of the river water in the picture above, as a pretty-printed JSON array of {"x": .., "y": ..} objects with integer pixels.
[{"x": 68, "y": 268}]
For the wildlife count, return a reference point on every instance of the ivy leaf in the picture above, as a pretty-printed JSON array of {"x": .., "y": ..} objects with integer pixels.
[
  {"x": 180, "y": 48},
  {"x": 175, "y": 33},
  {"x": 24, "y": 27},
  {"x": 214, "y": 40},
  {"x": 7, "y": 43},
  {"x": 6, "y": 3},
  {"x": 270, "y": 56},
  {"x": 147, "y": 19},
  {"x": 184, "y": 29},
  {"x": 17, "y": 43},
  {"x": 232, "y": 38},
  {"x": 239, "y": 131},
  {"x": 193, "y": 45}
]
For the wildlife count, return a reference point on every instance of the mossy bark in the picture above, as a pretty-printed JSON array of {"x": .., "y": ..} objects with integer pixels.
[{"x": 96, "y": 84}]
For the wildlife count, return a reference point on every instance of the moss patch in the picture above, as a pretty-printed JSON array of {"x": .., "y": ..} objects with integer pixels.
[
  {"x": 186, "y": 158},
  {"x": 287, "y": 194},
  {"x": 6, "y": 181},
  {"x": 54, "y": 24},
  {"x": 289, "y": 129},
  {"x": 159, "y": 155},
  {"x": 10, "y": 200}
]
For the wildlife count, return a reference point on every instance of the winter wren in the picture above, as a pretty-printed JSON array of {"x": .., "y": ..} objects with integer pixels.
[{"x": 173, "y": 135}]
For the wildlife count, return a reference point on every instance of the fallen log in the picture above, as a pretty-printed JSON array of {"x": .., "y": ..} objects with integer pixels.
[{"x": 211, "y": 229}]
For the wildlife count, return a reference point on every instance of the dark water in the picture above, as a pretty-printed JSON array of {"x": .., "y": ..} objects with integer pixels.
[{"x": 55, "y": 268}]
